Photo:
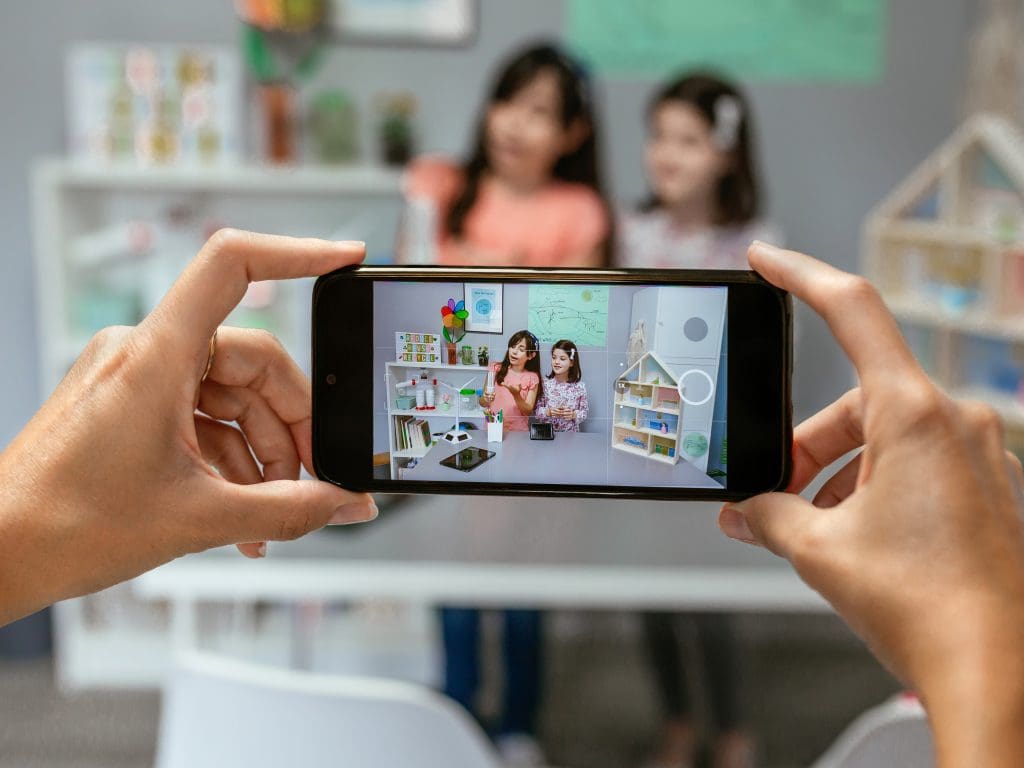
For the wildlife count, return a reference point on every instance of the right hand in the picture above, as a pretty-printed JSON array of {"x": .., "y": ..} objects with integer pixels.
[
  {"x": 918, "y": 540},
  {"x": 486, "y": 399}
]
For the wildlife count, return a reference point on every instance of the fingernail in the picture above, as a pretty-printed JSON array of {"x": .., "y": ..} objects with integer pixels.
[
  {"x": 351, "y": 243},
  {"x": 356, "y": 512},
  {"x": 261, "y": 550},
  {"x": 767, "y": 249},
  {"x": 734, "y": 525}
]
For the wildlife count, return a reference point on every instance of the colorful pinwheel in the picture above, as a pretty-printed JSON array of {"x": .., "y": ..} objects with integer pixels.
[{"x": 453, "y": 317}]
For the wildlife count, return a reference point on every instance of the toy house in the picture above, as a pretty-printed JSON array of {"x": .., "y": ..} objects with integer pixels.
[
  {"x": 946, "y": 249},
  {"x": 647, "y": 411}
]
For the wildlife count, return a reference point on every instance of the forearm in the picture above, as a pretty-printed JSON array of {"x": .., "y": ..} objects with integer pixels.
[{"x": 976, "y": 701}]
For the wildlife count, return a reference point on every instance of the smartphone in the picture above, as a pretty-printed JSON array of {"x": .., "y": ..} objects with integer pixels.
[{"x": 663, "y": 384}]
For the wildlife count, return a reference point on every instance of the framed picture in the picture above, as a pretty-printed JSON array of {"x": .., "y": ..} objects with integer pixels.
[
  {"x": 409, "y": 22},
  {"x": 483, "y": 302}
]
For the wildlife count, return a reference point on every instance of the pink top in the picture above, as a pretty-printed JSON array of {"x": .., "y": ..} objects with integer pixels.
[
  {"x": 561, "y": 224},
  {"x": 514, "y": 420}
]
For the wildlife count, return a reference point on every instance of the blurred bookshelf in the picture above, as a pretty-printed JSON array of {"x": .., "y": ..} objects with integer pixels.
[{"x": 108, "y": 242}]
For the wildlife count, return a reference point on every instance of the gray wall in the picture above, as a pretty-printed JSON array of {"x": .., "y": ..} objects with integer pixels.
[{"x": 829, "y": 152}]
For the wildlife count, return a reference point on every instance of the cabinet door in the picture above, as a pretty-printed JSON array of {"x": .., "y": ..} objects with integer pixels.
[
  {"x": 689, "y": 322},
  {"x": 699, "y": 380}
]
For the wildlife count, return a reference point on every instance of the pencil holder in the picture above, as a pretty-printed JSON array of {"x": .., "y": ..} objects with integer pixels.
[{"x": 494, "y": 431}]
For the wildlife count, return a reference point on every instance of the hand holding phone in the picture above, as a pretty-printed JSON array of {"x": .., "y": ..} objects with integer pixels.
[{"x": 658, "y": 422}]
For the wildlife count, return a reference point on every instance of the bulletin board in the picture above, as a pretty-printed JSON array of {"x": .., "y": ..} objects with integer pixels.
[{"x": 795, "y": 40}]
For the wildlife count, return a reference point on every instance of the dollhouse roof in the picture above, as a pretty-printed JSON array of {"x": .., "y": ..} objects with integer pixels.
[
  {"x": 672, "y": 378},
  {"x": 997, "y": 137}
]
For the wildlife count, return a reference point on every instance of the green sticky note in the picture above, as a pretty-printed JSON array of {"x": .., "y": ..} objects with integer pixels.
[{"x": 803, "y": 40}]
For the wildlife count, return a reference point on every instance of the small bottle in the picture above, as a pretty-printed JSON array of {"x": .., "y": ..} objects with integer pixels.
[
  {"x": 421, "y": 396},
  {"x": 430, "y": 395},
  {"x": 489, "y": 386}
]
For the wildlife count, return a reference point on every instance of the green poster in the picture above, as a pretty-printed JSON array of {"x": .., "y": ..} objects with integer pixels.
[
  {"x": 809, "y": 40},
  {"x": 566, "y": 311}
]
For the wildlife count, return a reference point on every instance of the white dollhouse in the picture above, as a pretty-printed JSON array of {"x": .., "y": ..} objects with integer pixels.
[
  {"x": 946, "y": 249},
  {"x": 647, "y": 411}
]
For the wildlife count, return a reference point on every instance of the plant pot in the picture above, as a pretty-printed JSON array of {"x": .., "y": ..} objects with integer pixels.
[{"x": 453, "y": 353}]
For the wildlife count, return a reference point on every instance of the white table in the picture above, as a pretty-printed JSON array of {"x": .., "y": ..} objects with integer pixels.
[
  {"x": 500, "y": 552},
  {"x": 582, "y": 457}
]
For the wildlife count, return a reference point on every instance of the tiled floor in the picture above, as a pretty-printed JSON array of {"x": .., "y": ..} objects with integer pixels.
[{"x": 806, "y": 679}]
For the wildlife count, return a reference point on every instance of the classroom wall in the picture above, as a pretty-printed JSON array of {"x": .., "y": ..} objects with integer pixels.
[{"x": 829, "y": 152}]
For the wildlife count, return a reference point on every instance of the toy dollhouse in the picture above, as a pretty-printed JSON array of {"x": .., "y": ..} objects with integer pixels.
[
  {"x": 946, "y": 249},
  {"x": 647, "y": 411}
]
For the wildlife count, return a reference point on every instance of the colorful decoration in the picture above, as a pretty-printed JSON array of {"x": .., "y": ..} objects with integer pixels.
[{"x": 453, "y": 318}]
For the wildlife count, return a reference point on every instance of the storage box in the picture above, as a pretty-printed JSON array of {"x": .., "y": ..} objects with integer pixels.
[
  {"x": 495, "y": 431},
  {"x": 405, "y": 402}
]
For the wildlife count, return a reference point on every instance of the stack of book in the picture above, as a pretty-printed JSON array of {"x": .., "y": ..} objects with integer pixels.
[{"x": 411, "y": 432}]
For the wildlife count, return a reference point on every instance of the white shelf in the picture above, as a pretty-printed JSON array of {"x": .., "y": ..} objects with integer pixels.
[
  {"x": 631, "y": 449},
  {"x": 438, "y": 366},
  {"x": 316, "y": 180},
  {"x": 647, "y": 431},
  {"x": 942, "y": 233},
  {"x": 413, "y": 453},
  {"x": 923, "y": 312},
  {"x": 450, "y": 414},
  {"x": 651, "y": 408}
]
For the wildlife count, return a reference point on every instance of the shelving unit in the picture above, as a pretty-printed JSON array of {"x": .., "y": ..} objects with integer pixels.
[
  {"x": 439, "y": 418},
  {"x": 647, "y": 411},
  {"x": 946, "y": 250},
  {"x": 88, "y": 278}
]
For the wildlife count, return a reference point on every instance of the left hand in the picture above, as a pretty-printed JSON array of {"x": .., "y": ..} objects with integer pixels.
[{"x": 113, "y": 475}]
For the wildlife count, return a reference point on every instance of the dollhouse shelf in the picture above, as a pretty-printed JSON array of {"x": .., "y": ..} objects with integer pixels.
[
  {"x": 648, "y": 391},
  {"x": 915, "y": 309},
  {"x": 946, "y": 250}
]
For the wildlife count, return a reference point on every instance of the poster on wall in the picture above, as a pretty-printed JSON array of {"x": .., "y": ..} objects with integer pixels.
[
  {"x": 801, "y": 40},
  {"x": 568, "y": 311},
  {"x": 418, "y": 22},
  {"x": 484, "y": 303}
]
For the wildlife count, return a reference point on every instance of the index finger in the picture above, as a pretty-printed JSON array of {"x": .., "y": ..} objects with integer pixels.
[
  {"x": 217, "y": 279},
  {"x": 851, "y": 306}
]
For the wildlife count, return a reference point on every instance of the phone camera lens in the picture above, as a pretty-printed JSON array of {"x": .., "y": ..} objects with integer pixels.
[{"x": 331, "y": 378}]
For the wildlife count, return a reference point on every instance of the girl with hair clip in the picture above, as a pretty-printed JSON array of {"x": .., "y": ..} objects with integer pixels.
[
  {"x": 530, "y": 193},
  {"x": 564, "y": 402},
  {"x": 702, "y": 213},
  {"x": 705, "y": 201}
]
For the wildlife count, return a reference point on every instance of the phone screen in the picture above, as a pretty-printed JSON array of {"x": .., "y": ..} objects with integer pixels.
[
  {"x": 643, "y": 384},
  {"x": 630, "y": 378}
]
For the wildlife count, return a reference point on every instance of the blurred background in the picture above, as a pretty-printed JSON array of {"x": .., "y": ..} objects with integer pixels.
[{"x": 888, "y": 143}]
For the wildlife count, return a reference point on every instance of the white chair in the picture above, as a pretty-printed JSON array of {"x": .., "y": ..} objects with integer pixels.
[
  {"x": 892, "y": 735},
  {"x": 219, "y": 713}
]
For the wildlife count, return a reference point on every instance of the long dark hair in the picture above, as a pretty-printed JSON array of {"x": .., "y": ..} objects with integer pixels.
[
  {"x": 739, "y": 195},
  {"x": 579, "y": 167},
  {"x": 532, "y": 363},
  {"x": 576, "y": 371}
]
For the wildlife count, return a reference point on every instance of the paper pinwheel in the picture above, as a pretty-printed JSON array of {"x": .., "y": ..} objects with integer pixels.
[{"x": 453, "y": 318}]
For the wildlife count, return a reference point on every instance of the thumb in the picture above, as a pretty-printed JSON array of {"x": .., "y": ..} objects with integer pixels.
[
  {"x": 774, "y": 521},
  {"x": 281, "y": 510}
]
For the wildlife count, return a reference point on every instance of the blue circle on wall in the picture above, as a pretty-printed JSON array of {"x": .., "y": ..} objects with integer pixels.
[{"x": 483, "y": 307}]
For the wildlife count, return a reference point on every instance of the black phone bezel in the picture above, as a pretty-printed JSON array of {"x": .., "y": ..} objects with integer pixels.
[{"x": 760, "y": 338}]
